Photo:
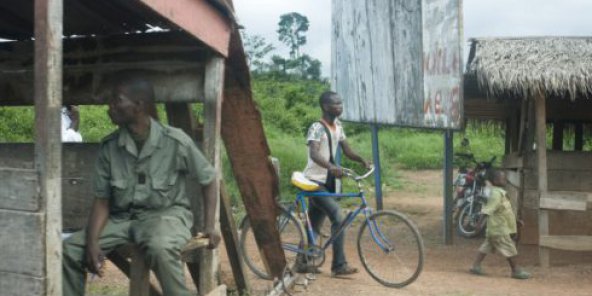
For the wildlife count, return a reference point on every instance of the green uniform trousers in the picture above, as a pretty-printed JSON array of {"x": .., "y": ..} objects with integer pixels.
[{"x": 160, "y": 238}]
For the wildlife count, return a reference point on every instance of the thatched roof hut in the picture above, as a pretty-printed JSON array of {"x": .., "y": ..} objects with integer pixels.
[
  {"x": 522, "y": 67},
  {"x": 529, "y": 83}
]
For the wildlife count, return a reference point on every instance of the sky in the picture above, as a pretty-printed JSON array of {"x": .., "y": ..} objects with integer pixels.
[{"x": 482, "y": 18}]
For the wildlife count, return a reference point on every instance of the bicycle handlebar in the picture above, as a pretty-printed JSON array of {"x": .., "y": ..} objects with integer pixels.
[{"x": 352, "y": 174}]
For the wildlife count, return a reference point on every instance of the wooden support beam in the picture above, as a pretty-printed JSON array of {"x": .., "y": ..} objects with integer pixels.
[
  {"x": 508, "y": 137},
  {"x": 541, "y": 152},
  {"x": 249, "y": 155},
  {"x": 558, "y": 128},
  {"x": 579, "y": 134},
  {"x": 213, "y": 86},
  {"x": 120, "y": 260},
  {"x": 48, "y": 145},
  {"x": 139, "y": 275},
  {"x": 90, "y": 84},
  {"x": 523, "y": 126},
  {"x": 198, "y": 18},
  {"x": 230, "y": 235},
  {"x": 514, "y": 130},
  {"x": 567, "y": 242},
  {"x": 181, "y": 115}
]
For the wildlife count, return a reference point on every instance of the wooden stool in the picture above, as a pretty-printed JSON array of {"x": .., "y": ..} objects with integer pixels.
[{"x": 140, "y": 273}]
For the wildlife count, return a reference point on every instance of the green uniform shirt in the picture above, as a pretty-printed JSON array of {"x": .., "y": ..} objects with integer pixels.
[
  {"x": 152, "y": 180},
  {"x": 500, "y": 218}
]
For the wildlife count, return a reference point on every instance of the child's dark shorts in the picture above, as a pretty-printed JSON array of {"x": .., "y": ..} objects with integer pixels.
[{"x": 501, "y": 243}]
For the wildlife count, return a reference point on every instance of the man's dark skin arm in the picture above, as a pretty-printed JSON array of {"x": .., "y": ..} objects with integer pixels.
[
  {"x": 210, "y": 215},
  {"x": 97, "y": 220},
  {"x": 349, "y": 152},
  {"x": 315, "y": 154}
]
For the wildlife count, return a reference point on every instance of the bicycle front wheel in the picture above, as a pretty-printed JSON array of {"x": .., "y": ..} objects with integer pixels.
[
  {"x": 291, "y": 237},
  {"x": 391, "y": 249}
]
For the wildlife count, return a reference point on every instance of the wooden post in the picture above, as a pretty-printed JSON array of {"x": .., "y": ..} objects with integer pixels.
[
  {"x": 230, "y": 235},
  {"x": 213, "y": 86},
  {"x": 513, "y": 133},
  {"x": 524, "y": 117},
  {"x": 48, "y": 145},
  {"x": 181, "y": 115},
  {"x": 558, "y": 136},
  {"x": 541, "y": 151},
  {"x": 377, "y": 171},
  {"x": 579, "y": 134},
  {"x": 120, "y": 260},
  {"x": 139, "y": 275}
]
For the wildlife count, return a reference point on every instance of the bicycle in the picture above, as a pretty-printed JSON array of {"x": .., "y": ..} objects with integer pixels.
[{"x": 389, "y": 244}]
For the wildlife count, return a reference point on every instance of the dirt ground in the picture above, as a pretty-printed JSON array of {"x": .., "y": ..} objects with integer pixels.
[{"x": 445, "y": 267}]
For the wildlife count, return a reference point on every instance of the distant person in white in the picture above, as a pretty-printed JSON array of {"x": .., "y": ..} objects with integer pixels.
[{"x": 70, "y": 124}]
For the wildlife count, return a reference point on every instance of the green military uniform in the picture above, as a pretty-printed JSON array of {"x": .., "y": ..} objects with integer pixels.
[
  {"x": 501, "y": 222},
  {"x": 148, "y": 203}
]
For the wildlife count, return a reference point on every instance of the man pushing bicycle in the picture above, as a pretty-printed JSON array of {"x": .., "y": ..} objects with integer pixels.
[{"x": 323, "y": 139}]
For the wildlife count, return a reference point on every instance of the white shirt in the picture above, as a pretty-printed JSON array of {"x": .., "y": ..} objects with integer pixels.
[
  {"x": 317, "y": 133},
  {"x": 69, "y": 134}
]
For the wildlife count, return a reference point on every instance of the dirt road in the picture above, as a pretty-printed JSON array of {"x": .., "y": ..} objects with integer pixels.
[{"x": 445, "y": 268}]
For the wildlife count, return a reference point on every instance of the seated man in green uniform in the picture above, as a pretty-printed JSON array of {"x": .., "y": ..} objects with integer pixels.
[{"x": 140, "y": 197}]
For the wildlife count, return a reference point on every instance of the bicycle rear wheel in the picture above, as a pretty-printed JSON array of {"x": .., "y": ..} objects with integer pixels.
[
  {"x": 391, "y": 248},
  {"x": 291, "y": 237}
]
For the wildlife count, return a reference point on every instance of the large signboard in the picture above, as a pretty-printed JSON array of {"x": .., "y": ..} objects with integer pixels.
[{"x": 398, "y": 62}]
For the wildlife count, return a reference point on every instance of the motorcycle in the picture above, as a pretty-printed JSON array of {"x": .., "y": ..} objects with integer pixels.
[{"x": 470, "y": 195}]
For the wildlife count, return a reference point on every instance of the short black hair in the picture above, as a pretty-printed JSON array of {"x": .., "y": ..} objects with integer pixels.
[
  {"x": 138, "y": 88},
  {"x": 492, "y": 173},
  {"x": 326, "y": 97}
]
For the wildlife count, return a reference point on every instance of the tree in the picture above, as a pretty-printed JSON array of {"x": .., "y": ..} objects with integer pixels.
[
  {"x": 292, "y": 29},
  {"x": 256, "y": 48}
]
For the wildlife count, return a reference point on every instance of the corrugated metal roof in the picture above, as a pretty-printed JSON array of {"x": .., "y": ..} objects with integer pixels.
[{"x": 90, "y": 17}]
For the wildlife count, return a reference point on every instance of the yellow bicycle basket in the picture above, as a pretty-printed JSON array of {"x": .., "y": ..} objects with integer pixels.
[{"x": 299, "y": 180}]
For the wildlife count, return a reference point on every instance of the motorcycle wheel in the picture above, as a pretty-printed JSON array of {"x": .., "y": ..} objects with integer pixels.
[{"x": 466, "y": 221}]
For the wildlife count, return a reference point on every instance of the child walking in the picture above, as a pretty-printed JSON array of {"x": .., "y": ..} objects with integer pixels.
[{"x": 501, "y": 227}]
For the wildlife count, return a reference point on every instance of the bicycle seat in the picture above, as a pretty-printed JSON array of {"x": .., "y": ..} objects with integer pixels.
[{"x": 299, "y": 180}]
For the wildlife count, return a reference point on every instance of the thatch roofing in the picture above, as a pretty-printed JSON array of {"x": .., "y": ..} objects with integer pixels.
[{"x": 523, "y": 67}]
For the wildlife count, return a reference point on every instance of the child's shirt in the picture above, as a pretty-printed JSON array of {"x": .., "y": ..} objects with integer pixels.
[{"x": 500, "y": 218}]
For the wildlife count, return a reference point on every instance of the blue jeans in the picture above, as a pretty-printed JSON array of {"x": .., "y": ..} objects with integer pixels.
[{"x": 321, "y": 207}]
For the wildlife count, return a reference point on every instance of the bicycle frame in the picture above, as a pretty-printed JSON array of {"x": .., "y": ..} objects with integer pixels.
[{"x": 300, "y": 204}]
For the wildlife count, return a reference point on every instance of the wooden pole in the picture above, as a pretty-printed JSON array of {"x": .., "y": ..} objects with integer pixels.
[
  {"x": 230, "y": 235},
  {"x": 377, "y": 171},
  {"x": 214, "y": 83},
  {"x": 448, "y": 198},
  {"x": 48, "y": 146},
  {"x": 541, "y": 152}
]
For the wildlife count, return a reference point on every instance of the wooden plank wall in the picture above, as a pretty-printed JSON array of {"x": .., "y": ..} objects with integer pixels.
[
  {"x": 567, "y": 171},
  {"x": 77, "y": 166}
]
